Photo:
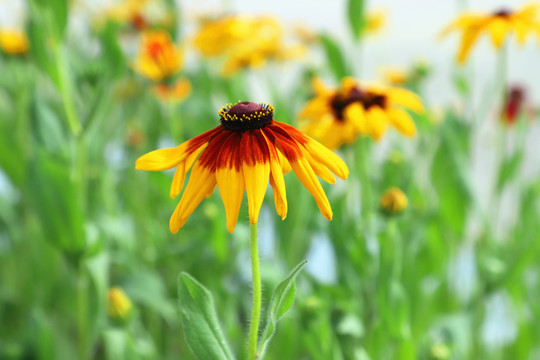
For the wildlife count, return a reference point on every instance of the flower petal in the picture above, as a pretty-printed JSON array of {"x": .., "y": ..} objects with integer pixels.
[
  {"x": 200, "y": 185},
  {"x": 181, "y": 171},
  {"x": 276, "y": 180},
  {"x": 469, "y": 37},
  {"x": 307, "y": 177},
  {"x": 164, "y": 159},
  {"x": 498, "y": 29},
  {"x": 376, "y": 122},
  {"x": 405, "y": 98},
  {"x": 256, "y": 169},
  {"x": 402, "y": 121},
  {"x": 230, "y": 179},
  {"x": 327, "y": 158}
]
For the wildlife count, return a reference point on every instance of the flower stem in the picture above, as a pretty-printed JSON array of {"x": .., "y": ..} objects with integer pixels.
[{"x": 257, "y": 295}]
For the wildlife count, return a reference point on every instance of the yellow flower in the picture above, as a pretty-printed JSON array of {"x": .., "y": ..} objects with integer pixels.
[
  {"x": 394, "y": 201},
  {"x": 498, "y": 25},
  {"x": 158, "y": 57},
  {"x": 176, "y": 92},
  {"x": 13, "y": 42},
  {"x": 119, "y": 304},
  {"x": 394, "y": 76},
  {"x": 245, "y": 153},
  {"x": 243, "y": 41},
  {"x": 337, "y": 117},
  {"x": 375, "y": 21}
]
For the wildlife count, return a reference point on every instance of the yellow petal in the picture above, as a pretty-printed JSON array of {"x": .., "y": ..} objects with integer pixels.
[
  {"x": 498, "y": 29},
  {"x": 162, "y": 159},
  {"x": 327, "y": 158},
  {"x": 468, "y": 39},
  {"x": 319, "y": 169},
  {"x": 355, "y": 114},
  {"x": 256, "y": 178},
  {"x": 285, "y": 166},
  {"x": 276, "y": 181},
  {"x": 462, "y": 22},
  {"x": 230, "y": 182},
  {"x": 307, "y": 177},
  {"x": 377, "y": 122},
  {"x": 256, "y": 169},
  {"x": 181, "y": 171},
  {"x": 200, "y": 185},
  {"x": 280, "y": 199},
  {"x": 406, "y": 99},
  {"x": 402, "y": 122}
]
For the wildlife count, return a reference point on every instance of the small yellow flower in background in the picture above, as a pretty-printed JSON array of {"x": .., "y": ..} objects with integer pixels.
[
  {"x": 338, "y": 116},
  {"x": 158, "y": 57},
  {"x": 119, "y": 304},
  {"x": 375, "y": 21},
  {"x": 395, "y": 76},
  {"x": 244, "y": 42},
  {"x": 176, "y": 92},
  {"x": 139, "y": 14},
  {"x": 498, "y": 25},
  {"x": 394, "y": 201},
  {"x": 243, "y": 154},
  {"x": 13, "y": 42}
]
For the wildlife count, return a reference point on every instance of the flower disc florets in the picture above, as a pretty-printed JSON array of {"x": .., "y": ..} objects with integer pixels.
[
  {"x": 366, "y": 98},
  {"x": 246, "y": 115},
  {"x": 503, "y": 13}
]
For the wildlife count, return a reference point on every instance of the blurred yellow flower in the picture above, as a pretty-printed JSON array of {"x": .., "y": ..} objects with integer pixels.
[
  {"x": 338, "y": 116},
  {"x": 176, "y": 92},
  {"x": 375, "y": 21},
  {"x": 13, "y": 42},
  {"x": 139, "y": 14},
  {"x": 158, "y": 57},
  {"x": 244, "y": 41},
  {"x": 498, "y": 25},
  {"x": 395, "y": 76},
  {"x": 119, "y": 304},
  {"x": 394, "y": 201}
]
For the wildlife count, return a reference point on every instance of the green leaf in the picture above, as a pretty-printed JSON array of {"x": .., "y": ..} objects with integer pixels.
[
  {"x": 282, "y": 300},
  {"x": 509, "y": 169},
  {"x": 201, "y": 325},
  {"x": 355, "y": 14},
  {"x": 334, "y": 56}
]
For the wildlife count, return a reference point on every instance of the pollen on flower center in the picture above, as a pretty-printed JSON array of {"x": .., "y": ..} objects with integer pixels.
[
  {"x": 367, "y": 99},
  {"x": 246, "y": 115}
]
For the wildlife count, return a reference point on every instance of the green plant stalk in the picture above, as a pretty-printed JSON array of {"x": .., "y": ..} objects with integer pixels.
[
  {"x": 257, "y": 295},
  {"x": 66, "y": 91},
  {"x": 82, "y": 313}
]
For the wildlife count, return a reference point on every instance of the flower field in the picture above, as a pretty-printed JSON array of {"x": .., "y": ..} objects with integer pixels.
[{"x": 181, "y": 181}]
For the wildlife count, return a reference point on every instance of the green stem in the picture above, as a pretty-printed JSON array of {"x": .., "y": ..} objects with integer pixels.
[
  {"x": 257, "y": 295},
  {"x": 82, "y": 313},
  {"x": 66, "y": 90}
]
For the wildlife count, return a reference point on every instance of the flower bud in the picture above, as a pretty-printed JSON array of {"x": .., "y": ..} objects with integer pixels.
[{"x": 394, "y": 201}]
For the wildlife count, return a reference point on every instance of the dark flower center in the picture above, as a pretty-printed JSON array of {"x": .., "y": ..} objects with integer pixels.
[
  {"x": 246, "y": 115},
  {"x": 366, "y": 98},
  {"x": 503, "y": 13}
]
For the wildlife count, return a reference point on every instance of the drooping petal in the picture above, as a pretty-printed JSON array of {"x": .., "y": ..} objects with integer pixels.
[
  {"x": 468, "y": 39},
  {"x": 164, "y": 159},
  {"x": 307, "y": 177},
  {"x": 182, "y": 169},
  {"x": 200, "y": 185},
  {"x": 377, "y": 122},
  {"x": 319, "y": 169},
  {"x": 256, "y": 170},
  {"x": 498, "y": 29},
  {"x": 276, "y": 180},
  {"x": 402, "y": 121},
  {"x": 327, "y": 158},
  {"x": 462, "y": 22},
  {"x": 230, "y": 178},
  {"x": 355, "y": 114},
  {"x": 405, "y": 98}
]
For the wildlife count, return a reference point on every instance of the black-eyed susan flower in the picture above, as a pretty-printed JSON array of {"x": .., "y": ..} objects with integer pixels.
[
  {"x": 244, "y": 42},
  {"x": 158, "y": 57},
  {"x": 338, "y": 116},
  {"x": 499, "y": 25},
  {"x": 13, "y": 42},
  {"x": 394, "y": 201},
  {"x": 245, "y": 153},
  {"x": 119, "y": 306}
]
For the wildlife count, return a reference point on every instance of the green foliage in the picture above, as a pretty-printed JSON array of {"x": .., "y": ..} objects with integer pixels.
[
  {"x": 199, "y": 317},
  {"x": 355, "y": 15}
]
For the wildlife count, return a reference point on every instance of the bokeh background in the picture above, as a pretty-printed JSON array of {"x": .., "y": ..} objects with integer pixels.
[{"x": 88, "y": 267}]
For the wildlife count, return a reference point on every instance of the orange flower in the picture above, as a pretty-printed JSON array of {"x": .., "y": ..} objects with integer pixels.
[
  {"x": 246, "y": 152},
  {"x": 176, "y": 92},
  {"x": 158, "y": 57}
]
